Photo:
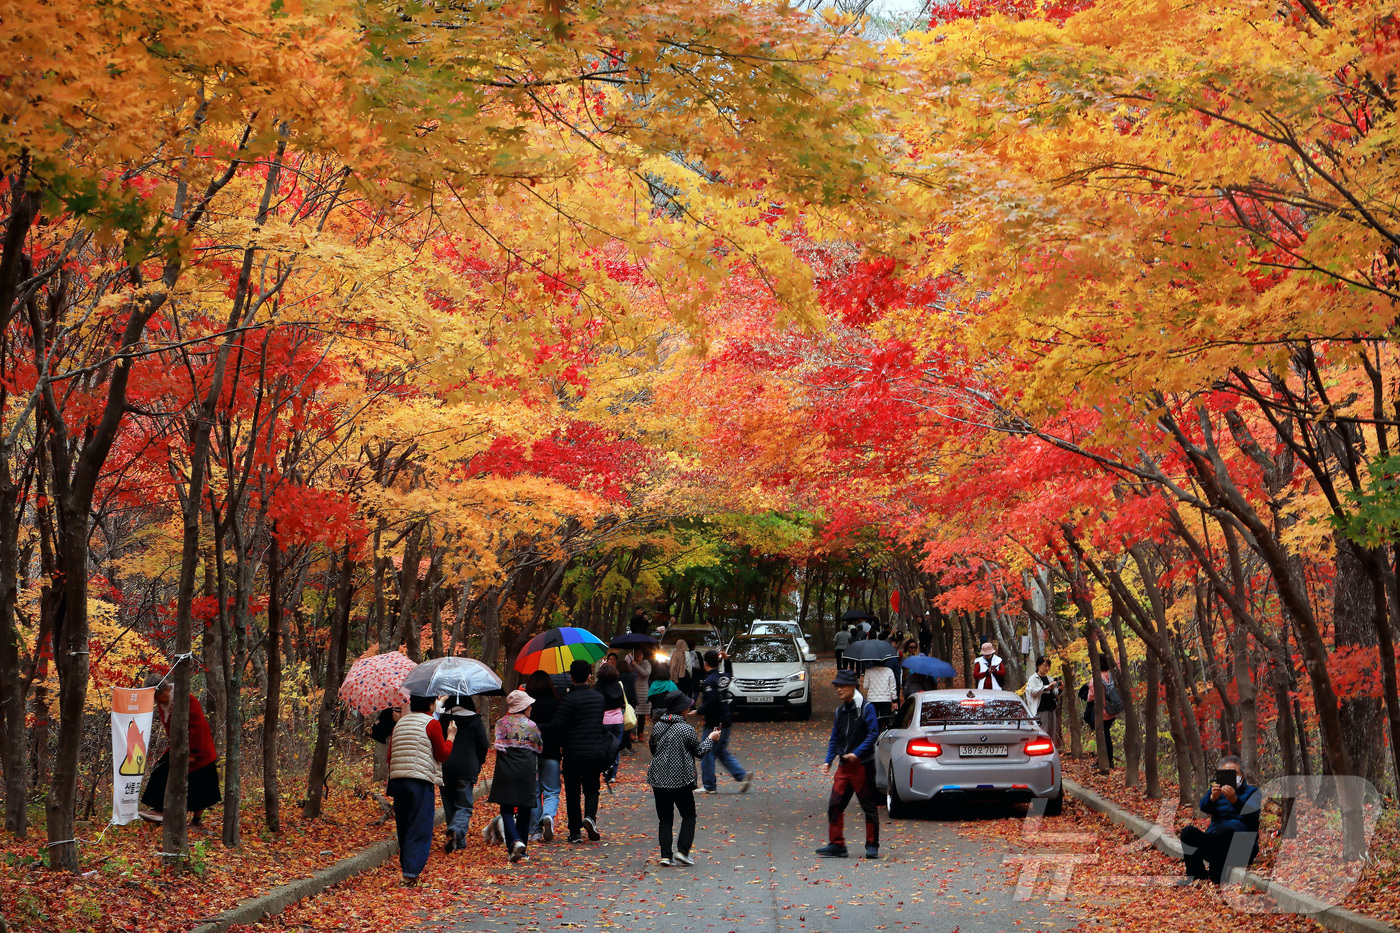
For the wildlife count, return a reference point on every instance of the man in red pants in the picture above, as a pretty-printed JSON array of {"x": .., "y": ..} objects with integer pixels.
[{"x": 852, "y": 747}]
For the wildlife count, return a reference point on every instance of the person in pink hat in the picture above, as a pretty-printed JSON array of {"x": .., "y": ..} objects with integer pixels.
[{"x": 518, "y": 744}]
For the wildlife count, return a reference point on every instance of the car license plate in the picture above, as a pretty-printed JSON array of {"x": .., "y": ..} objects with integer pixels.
[
  {"x": 981, "y": 751},
  {"x": 759, "y": 699}
]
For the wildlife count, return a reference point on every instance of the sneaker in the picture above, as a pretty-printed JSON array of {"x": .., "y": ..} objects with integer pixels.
[
  {"x": 832, "y": 850},
  {"x": 746, "y": 783},
  {"x": 573, "y": 839},
  {"x": 683, "y": 859},
  {"x": 872, "y": 851},
  {"x": 495, "y": 831},
  {"x": 410, "y": 881},
  {"x": 666, "y": 861},
  {"x": 517, "y": 852},
  {"x": 547, "y": 828},
  {"x": 450, "y": 844},
  {"x": 591, "y": 828},
  {"x": 711, "y": 790},
  {"x": 460, "y": 842},
  {"x": 536, "y": 837}
]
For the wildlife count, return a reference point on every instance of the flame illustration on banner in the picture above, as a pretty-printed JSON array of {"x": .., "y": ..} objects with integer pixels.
[{"x": 134, "y": 764}]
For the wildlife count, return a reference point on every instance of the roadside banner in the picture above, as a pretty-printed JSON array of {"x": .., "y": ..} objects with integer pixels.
[{"x": 131, "y": 737}]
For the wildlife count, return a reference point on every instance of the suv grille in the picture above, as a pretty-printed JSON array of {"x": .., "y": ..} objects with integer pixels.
[{"x": 774, "y": 684}]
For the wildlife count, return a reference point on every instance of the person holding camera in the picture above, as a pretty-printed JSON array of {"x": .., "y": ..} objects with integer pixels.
[
  {"x": 1233, "y": 806},
  {"x": 1043, "y": 698}
]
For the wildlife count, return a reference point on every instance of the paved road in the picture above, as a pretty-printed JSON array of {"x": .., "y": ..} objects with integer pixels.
[{"x": 756, "y": 870}]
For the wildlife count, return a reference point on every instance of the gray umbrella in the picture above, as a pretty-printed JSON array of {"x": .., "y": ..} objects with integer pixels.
[
  {"x": 451, "y": 676},
  {"x": 867, "y": 649}
]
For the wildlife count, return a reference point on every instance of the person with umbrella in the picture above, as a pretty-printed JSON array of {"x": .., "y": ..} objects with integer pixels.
[
  {"x": 635, "y": 668},
  {"x": 881, "y": 689},
  {"x": 541, "y": 686},
  {"x": 587, "y": 747},
  {"x": 925, "y": 671},
  {"x": 417, "y": 750},
  {"x": 518, "y": 745},
  {"x": 462, "y": 767}
]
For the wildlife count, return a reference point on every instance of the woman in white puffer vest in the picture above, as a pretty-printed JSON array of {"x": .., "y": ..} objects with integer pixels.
[{"x": 417, "y": 750}]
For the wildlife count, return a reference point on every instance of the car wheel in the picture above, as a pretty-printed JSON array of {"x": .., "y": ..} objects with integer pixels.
[
  {"x": 1055, "y": 805},
  {"x": 804, "y": 712},
  {"x": 896, "y": 807}
]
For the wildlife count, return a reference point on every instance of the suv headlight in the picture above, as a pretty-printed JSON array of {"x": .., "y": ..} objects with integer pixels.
[{"x": 799, "y": 676}]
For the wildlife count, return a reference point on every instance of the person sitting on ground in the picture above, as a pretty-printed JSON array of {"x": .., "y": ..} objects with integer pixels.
[
  {"x": 202, "y": 788},
  {"x": 417, "y": 750},
  {"x": 1233, "y": 806},
  {"x": 989, "y": 670}
]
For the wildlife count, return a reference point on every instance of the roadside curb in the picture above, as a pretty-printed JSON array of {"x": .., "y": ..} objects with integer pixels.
[
  {"x": 1331, "y": 917},
  {"x": 259, "y": 908}
]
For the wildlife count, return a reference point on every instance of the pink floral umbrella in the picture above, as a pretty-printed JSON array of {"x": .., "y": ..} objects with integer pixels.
[{"x": 373, "y": 683}]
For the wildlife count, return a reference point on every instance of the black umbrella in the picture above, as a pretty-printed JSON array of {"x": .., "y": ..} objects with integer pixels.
[
  {"x": 855, "y": 615},
  {"x": 633, "y": 640},
  {"x": 870, "y": 649}
]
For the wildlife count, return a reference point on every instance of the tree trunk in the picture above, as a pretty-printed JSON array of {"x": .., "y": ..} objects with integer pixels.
[
  {"x": 1132, "y": 741},
  {"x": 215, "y": 683},
  {"x": 14, "y": 744},
  {"x": 272, "y": 697},
  {"x": 335, "y": 673},
  {"x": 1151, "y": 700}
]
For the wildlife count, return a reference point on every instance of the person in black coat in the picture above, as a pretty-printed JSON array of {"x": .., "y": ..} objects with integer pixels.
[
  {"x": 587, "y": 748},
  {"x": 541, "y": 686},
  {"x": 609, "y": 684},
  {"x": 462, "y": 768}
]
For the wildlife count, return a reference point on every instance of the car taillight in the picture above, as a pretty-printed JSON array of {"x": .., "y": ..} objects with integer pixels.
[
  {"x": 923, "y": 748},
  {"x": 1039, "y": 747}
]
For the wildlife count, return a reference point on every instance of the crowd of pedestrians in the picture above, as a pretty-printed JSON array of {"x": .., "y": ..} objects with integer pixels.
[
  {"x": 553, "y": 743},
  {"x": 549, "y": 743}
]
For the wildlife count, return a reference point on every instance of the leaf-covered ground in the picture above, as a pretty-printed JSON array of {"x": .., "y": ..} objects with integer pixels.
[{"x": 124, "y": 886}]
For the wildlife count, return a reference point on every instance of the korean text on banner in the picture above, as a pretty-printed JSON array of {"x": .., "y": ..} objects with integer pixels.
[{"x": 131, "y": 737}]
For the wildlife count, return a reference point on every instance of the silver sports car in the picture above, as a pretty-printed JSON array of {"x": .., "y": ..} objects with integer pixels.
[{"x": 947, "y": 744}]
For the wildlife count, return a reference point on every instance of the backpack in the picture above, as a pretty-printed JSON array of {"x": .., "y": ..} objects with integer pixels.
[{"x": 1112, "y": 702}]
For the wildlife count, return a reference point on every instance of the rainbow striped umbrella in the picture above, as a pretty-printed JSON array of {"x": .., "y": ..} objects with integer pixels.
[{"x": 553, "y": 651}]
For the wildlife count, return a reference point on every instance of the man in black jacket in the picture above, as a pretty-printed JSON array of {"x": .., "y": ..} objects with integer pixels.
[
  {"x": 587, "y": 750},
  {"x": 714, "y": 706}
]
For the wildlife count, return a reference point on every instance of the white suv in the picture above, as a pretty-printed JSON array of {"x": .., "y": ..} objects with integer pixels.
[
  {"x": 769, "y": 673},
  {"x": 780, "y": 627}
]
